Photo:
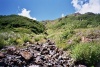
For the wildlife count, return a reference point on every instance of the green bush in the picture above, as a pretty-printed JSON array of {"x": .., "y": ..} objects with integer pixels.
[
  {"x": 36, "y": 39},
  {"x": 19, "y": 41},
  {"x": 26, "y": 38},
  {"x": 88, "y": 53},
  {"x": 67, "y": 34},
  {"x": 2, "y": 43}
]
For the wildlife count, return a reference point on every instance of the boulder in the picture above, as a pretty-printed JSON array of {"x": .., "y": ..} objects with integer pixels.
[
  {"x": 26, "y": 55},
  {"x": 2, "y": 55}
]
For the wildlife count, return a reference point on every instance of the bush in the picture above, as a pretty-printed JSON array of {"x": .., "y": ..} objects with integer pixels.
[
  {"x": 67, "y": 34},
  {"x": 19, "y": 41},
  {"x": 26, "y": 38},
  {"x": 36, "y": 39},
  {"x": 2, "y": 43},
  {"x": 88, "y": 53}
]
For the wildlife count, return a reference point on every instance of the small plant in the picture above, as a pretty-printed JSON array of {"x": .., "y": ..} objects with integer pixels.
[
  {"x": 2, "y": 43},
  {"x": 77, "y": 39},
  {"x": 26, "y": 39},
  {"x": 36, "y": 39},
  {"x": 19, "y": 41}
]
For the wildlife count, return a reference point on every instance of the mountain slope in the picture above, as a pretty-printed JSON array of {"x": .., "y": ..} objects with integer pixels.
[
  {"x": 11, "y": 22},
  {"x": 70, "y": 29},
  {"x": 17, "y": 30}
]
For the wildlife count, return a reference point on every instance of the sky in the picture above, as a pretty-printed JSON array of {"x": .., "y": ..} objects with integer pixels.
[{"x": 48, "y": 9}]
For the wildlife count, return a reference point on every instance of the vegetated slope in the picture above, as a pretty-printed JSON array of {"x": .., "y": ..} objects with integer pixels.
[
  {"x": 71, "y": 28},
  {"x": 15, "y": 30},
  {"x": 13, "y": 22},
  {"x": 78, "y": 33}
]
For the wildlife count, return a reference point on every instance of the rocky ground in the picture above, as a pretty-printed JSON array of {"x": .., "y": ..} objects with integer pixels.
[{"x": 36, "y": 55}]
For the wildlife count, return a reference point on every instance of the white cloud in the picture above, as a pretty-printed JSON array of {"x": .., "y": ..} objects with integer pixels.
[
  {"x": 62, "y": 15},
  {"x": 26, "y": 13},
  {"x": 83, "y": 6}
]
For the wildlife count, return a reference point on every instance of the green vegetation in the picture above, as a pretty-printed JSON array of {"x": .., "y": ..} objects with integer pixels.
[
  {"x": 73, "y": 27},
  {"x": 78, "y": 33},
  {"x": 88, "y": 53},
  {"x": 20, "y": 24},
  {"x": 16, "y": 30}
]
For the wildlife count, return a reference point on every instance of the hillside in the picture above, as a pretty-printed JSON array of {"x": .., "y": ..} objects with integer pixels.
[
  {"x": 78, "y": 35},
  {"x": 15, "y": 29},
  {"x": 71, "y": 28},
  {"x": 15, "y": 22}
]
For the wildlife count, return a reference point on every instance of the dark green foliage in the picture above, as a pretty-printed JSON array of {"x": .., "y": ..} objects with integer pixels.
[
  {"x": 15, "y": 29},
  {"x": 14, "y": 21}
]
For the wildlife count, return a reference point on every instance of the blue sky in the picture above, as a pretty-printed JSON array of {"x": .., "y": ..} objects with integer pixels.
[
  {"x": 40, "y": 9},
  {"x": 47, "y": 9}
]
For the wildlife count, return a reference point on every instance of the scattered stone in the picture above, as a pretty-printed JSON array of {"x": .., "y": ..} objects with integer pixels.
[
  {"x": 10, "y": 49},
  {"x": 81, "y": 66},
  {"x": 34, "y": 66},
  {"x": 35, "y": 55}
]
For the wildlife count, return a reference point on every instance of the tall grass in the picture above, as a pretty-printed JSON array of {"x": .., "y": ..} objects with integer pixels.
[
  {"x": 12, "y": 38},
  {"x": 88, "y": 53}
]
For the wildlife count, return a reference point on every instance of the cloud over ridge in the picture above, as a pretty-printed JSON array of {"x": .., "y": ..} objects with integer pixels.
[
  {"x": 83, "y": 6},
  {"x": 26, "y": 13}
]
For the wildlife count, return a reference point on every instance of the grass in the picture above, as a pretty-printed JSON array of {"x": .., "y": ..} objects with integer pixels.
[
  {"x": 13, "y": 38},
  {"x": 88, "y": 53}
]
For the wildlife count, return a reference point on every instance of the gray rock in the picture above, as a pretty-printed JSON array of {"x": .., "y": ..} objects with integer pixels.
[
  {"x": 26, "y": 55},
  {"x": 2, "y": 55},
  {"x": 82, "y": 66}
]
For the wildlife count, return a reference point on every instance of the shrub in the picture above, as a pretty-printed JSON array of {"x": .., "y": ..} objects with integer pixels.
[
  {"x": 67, "y": 34},
  {"x": 19, "y": 41},
  {"x": 36, "y": 39},
  {"x": 26, "y": 39},
  {"x": 88, "y": 53},
  {"x": 11, "y": 41},
  {"x": 77, "y": 39},
  {"x": 2, "y": 43}
]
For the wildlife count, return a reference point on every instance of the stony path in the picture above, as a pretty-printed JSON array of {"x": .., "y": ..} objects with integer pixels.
[{"x": 35, "y": 55}]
